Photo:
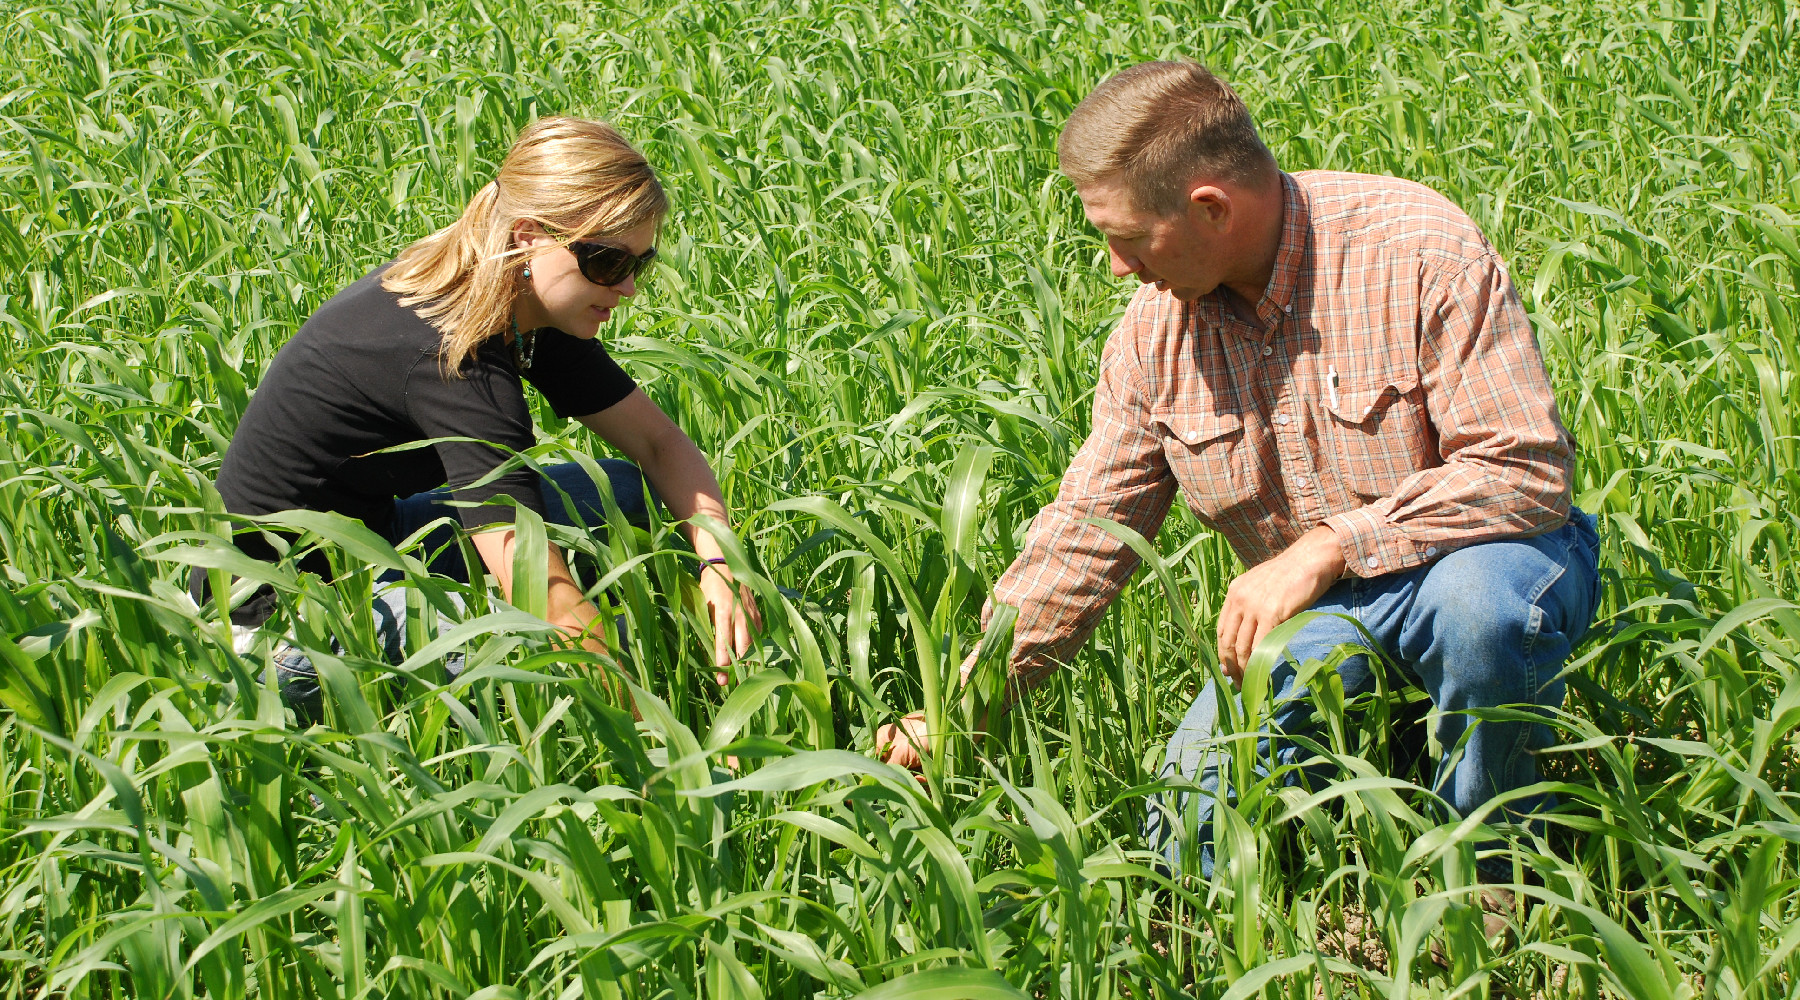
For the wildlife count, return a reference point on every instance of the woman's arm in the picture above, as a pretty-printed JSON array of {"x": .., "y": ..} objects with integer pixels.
[
  {"x": 644, "y": 433},
  {"x": 563, "y": 604}
]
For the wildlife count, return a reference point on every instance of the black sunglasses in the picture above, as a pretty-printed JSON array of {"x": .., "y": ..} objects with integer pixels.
[{"x": 609, "y": 265}]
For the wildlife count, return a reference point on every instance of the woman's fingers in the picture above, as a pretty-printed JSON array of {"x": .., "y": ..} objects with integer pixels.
[
  {"x": 741, "y": 638},
  {"x": 721, "y": 629},
  {"x": 741, "y": 620},
  {"x": 735, "y": 616},
  {"x": 755, "y": 612},
  {"x": 718, "y": 594}
]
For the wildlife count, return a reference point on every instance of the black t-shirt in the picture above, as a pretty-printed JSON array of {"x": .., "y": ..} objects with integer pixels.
[{"x": 365, "y": 373}]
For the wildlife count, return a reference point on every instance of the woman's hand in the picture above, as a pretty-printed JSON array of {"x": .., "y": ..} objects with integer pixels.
[
  {"x": 734, "y": 614},
  {"x": 638, "y": 427}
]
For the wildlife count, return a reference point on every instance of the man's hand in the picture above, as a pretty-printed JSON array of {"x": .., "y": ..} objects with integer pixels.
[
  {"x": 903, "y": 743},
  {"x": 734, "y": 615},
  {"x": 906, "y": 742},
  {"x": 1270, "y": 593}
]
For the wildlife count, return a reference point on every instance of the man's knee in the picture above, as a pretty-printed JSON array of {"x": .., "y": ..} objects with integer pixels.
[
  {"x": 1501, "y": 582},
  {"x": 1470, "y": 619},
  {"x": 1485, "y": 627}
]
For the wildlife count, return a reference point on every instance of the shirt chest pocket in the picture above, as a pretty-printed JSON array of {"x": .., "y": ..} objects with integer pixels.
[
  {"x": 1380, "y": 434},
  {"x": 1207, "y": 454}
]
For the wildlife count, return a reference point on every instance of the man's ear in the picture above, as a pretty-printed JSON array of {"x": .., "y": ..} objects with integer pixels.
[{"x": 1211, "y": 204}]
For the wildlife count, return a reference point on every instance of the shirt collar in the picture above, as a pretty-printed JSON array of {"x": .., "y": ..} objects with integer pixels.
[{"x": 1290, "y": 253}]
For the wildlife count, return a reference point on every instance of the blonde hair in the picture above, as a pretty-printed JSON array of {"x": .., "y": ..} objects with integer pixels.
[
  {"x": 577, "y": 178},
  {"x": 1155, "y": 126}
]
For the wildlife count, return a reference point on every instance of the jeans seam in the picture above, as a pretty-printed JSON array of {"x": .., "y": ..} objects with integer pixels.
[
  {"x": 1533, "y": 630},
  {"x": 287, "y": 662}
]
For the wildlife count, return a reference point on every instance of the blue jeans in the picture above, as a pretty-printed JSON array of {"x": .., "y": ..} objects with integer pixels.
[
  {"x": 1486, "y": 626},
  {"x": 299, "y": 681},
  {"x": 444, "y": 556}
]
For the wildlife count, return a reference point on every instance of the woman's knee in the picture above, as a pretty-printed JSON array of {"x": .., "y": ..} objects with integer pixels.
[
  {"x": 570, "y": 490},
  {"x": 631, "y": 489}
]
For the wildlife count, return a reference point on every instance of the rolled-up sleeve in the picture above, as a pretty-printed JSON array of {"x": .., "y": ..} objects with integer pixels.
[
  {"x": 1069, "y": 571},
  {"x": 1507, "y": 461}
]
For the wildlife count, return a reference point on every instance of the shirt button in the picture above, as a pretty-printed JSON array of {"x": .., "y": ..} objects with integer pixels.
[
  {"x": 1268, "y": 349},
  {"x": 1430, "y": 550},
  {"x": 1301, "y": 482},
  {"x": 1281, "y": 418},
  {"x": 1191, "y": 436},
  {"x": 1372, "y": 562},
  {"x": 1288, "y": 308}
]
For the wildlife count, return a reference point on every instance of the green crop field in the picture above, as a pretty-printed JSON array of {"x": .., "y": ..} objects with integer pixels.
[{"x": 879, "y": 313}]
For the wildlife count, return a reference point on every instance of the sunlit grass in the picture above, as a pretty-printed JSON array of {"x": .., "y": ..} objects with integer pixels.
[{"x": 880, "y": 314}]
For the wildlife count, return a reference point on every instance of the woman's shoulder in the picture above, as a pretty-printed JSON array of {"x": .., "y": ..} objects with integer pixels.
[
  {"x": 361, "y": 329},
  {"x": 365, "y": 301},
  {"x": 366, "y": 316}
]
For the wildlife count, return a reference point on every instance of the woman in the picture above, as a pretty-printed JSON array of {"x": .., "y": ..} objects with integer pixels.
[{"x": 435, "y": 345}]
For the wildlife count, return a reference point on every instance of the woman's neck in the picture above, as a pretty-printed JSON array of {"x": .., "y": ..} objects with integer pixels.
[{"x": 528, "y": 313}]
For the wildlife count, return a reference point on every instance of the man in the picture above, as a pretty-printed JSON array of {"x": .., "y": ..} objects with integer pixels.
[{"x": 1336, "y": 373}]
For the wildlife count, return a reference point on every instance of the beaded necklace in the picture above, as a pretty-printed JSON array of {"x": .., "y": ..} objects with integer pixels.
[{"x": 524, "y": 346}]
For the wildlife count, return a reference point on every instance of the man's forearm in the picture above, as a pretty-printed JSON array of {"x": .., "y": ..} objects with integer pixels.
[
  {"x": 1067, "y": 575},
  {"x": 1455, "y": 505},
  {"x": 1506, "y": 460}
]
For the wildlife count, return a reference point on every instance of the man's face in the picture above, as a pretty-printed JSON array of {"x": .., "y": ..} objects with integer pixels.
[{"x": 1179, "y": 252}]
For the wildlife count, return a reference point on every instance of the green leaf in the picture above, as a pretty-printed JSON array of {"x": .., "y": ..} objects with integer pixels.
[
  {"x": 946, "y": 984},
  {"x": 530, "y": 564}
]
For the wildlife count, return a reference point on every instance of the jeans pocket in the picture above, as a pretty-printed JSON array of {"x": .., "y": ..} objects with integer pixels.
[{"x": 1584, "y": 557}]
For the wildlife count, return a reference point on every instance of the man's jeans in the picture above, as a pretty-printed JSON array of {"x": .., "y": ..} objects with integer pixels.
[
  {"x": 299, "y": 681},
  {"x": 1486, "y": 626}
]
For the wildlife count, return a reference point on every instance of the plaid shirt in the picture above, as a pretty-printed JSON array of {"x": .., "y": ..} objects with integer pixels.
[{"x": 1392, "y": 389}]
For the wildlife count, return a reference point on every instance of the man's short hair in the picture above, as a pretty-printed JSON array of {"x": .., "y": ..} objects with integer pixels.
[{"x": 1155, "y": 127}]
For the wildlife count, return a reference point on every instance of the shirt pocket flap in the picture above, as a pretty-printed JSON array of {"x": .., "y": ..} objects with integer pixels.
[
  {"x": 1354, "y": 404},
  {"x": 1194, "y": 429}
]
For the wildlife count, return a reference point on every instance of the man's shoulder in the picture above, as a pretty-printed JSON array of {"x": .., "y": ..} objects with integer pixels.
[
  {"x": 1390, "y": 213},
  {"x": 1151, "y": 315}
]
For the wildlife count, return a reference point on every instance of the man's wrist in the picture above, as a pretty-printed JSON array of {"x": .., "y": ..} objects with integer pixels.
[{"x": 1326, "y": 552}]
